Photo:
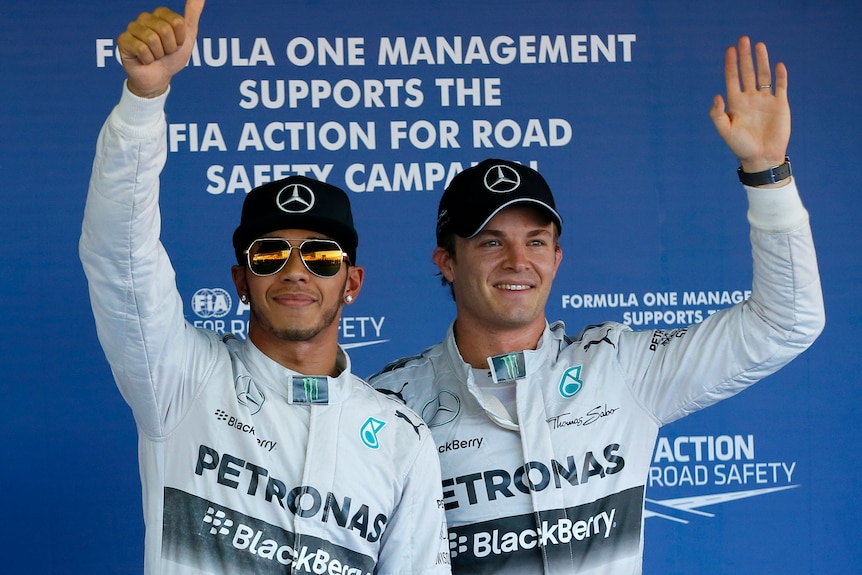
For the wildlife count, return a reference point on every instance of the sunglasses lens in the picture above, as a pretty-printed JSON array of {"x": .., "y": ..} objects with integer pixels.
[
  {"x": 266, "y": 257},
  {"x": 322, "y": 257}
]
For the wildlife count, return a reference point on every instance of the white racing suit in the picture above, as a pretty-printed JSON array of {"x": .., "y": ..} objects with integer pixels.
[
  {"x": 559, "y": 488},
  {"x": 246, "y": 466}
]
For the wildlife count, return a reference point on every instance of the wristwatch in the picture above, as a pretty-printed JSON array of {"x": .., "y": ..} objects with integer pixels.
[{"x": 770, "y": 176}]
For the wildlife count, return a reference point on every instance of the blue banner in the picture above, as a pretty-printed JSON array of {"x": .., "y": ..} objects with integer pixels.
[{"x": 608, "y": 100}]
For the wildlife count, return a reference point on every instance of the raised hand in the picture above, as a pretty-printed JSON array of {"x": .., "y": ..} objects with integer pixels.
[
  {"x": 756, "y": 122},
  {"x": 157, "y": 45}
]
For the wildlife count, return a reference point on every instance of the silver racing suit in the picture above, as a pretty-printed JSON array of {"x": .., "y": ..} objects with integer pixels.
[
  {"x": 246, "y": 466},
  {"x": 558, "y": 487}
]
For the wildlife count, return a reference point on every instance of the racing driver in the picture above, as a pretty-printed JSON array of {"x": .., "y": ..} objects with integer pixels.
[
  {"x": 546, "y": 438},
  {"x": 263, "y": 455}
]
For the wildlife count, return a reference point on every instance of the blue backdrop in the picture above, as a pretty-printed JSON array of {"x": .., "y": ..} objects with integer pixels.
[{"x": 608, "y": 100}]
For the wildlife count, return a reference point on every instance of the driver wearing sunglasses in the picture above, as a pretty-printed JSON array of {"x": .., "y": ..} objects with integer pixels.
[
  {"x": 260, "y": 454},
  {"x": 296, "y": 252}
]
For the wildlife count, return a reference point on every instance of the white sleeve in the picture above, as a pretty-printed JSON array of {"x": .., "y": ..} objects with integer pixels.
[
  {"x": 138, "y": 311},
  {"x": 740, "y": 345},
  {"x": 407, "y": 545}
]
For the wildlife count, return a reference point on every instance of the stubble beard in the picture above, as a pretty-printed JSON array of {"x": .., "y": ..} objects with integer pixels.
[
  {"x": 296, "y": 333},
  {"x": 300, "y": 333}
]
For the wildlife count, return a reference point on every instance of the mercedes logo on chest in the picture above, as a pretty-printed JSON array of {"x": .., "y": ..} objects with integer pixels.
[
  {"x": 442, "y": 409},
  {"x": 502, "y": 179},
  {"x": 295, "y": 199}
]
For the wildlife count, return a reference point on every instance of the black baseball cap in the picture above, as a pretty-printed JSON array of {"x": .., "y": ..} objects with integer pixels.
[
  {"x": 296, "y": 202},
  {"x": 477, "y": 194}
]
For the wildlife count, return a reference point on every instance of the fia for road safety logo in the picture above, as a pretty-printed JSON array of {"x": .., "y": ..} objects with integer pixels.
[{"x": 211, "y": 302}]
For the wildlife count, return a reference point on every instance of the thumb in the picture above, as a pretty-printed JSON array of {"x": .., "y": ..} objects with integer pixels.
[
  {"x": 719, "y": 118},
  {"x": 192, "y": 15}
]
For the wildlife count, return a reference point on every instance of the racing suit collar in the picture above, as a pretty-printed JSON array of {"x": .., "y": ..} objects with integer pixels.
[
  {"x": 281, "y": 380},
  {"x": 533, "y": 360}
]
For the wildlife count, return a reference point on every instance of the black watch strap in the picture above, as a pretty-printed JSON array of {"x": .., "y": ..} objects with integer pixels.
[{"x": 770, "y": 176}]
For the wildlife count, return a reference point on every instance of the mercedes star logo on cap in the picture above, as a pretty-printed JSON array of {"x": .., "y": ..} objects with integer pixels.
[
  {"x": 295, "y": 199},
  {"x": 502, "y": 179}
]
